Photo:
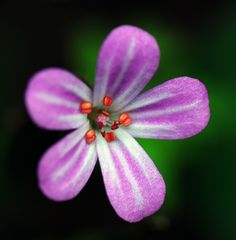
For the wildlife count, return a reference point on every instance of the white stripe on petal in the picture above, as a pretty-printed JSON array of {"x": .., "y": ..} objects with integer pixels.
[
  {"x": 100, "y": 89},
  {"x": 122, "y": 100},
  {"x": 129, "y": 143},
  {"x": 143, "y": 125},
  {"x": 108, "y": 166},
  {"x": 86, "y": 166},
  {"x": 151, "y": 130},
  {"x": 129, "y": 175},
  {"x": 62, "y": 171},
  {"x": 73, "y": 140},
  {"x": 126, "y": 62},
  {"x": 72, "y": 118},
  {"x": 138, "y": 103},
  {"x": 82, "y": 91},
  {"x": 48, "y": 98},
  {"x": 168, "y": 110}
]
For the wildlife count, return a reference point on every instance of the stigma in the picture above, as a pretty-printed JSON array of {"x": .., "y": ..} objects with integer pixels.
[{"x": 102, "y": 120}]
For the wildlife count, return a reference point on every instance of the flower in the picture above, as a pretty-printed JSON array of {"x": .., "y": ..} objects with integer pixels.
[{"x": 107, "y": 120}]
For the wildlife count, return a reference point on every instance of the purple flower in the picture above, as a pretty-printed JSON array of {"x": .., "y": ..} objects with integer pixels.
[{"x": 108, "y": 119}]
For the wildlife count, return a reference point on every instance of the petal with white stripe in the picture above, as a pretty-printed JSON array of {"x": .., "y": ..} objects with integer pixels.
[
  {"x": 176, "y": 109},
  {"x": 127, "y": 61},
  {"x": 52, "y": 98},
  {"x": 66, "y": 167},
  {"x": 133, "y": 184}
]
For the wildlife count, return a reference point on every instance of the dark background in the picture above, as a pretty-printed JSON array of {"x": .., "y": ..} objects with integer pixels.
[{"x": 196, "y": 39}]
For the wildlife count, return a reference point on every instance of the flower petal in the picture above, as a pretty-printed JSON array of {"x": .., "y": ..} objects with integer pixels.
[
  {"x": 134, "y": 186},
  {"x": 176, "y": 109},
  {"x": 53, "y": 97},
  {"x": 66, "y": 167},
  {"x": 127, "y": 61}
]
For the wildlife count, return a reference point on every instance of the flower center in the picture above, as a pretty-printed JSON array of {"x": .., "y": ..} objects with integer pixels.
[{"x": 103, "y": 120}]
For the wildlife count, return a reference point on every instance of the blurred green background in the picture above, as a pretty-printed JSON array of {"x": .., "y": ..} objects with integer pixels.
[{"x": 195, "y": 40}]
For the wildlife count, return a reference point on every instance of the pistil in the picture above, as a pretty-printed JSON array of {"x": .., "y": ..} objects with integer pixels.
[{"x": 100, "y": 119}]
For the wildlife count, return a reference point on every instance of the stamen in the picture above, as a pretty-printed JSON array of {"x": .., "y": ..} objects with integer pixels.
[
  {"x": 90, "y": 136},
  {"x": 107, "y": 101},
  {"x": 116, "y": 122},
  {"x": 105, "y": 113},
  {"x": 110, "y": 136},
  {"x": 86, "y": 107},
  {"x": 100, "y": 125},
  {"x": 125, "y": 119},
  {"x": 114, "y": 127}
]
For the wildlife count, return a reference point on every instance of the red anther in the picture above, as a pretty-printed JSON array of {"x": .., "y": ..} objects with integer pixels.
[
  {"x": 86, "y": 107},
  {"x": 107, "y": 101},
  {"x": 105, "y": 113},
  {"x": 116, "y": 122},
  {"x": 90, "y": 136},
  {"x": 110, "y": 136},
  {"x": 100, "y": 125},
  {"x": 125, "y": 119},
  {"x": 103, "y": 133},
  {"x": 114, "y": 127}
]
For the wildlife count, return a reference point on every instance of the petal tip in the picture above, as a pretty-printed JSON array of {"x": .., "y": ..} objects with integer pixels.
[
  {"x": 152, "y": 209},
  {"x": 50, "y": 190}
]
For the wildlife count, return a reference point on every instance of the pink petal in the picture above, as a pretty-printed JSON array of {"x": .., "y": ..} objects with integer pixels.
[
  {"x": 176, "y": 109},
  {"x": 66, "y": 167},
  {"x": 133, "y": 184},
  {"x": 127, "y": 61},
  {"x": 53, "y": 97}
]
